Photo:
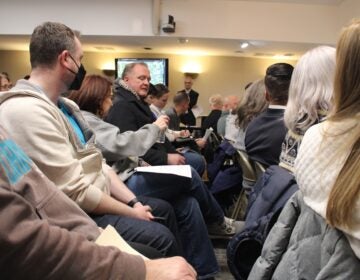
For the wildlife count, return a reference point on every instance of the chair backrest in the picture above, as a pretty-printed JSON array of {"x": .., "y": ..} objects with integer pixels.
[
  {"x": 259, "y": 168},
  {"x": 249, "y": 175}
]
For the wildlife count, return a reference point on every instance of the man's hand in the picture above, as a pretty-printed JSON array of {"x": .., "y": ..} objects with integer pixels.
[
  {"x": 175, "y": 159},
  {"x": 162, "y": 122},
  {"x": 201, "y": 143},
  {"x": 184, "y": 133},
  {"x": 175, "y": 268},
  {"x": 142, "y": 212}
]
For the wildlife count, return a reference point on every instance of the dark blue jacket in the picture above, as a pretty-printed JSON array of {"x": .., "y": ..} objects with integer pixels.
[
  {"x": 270, "y": 194},
  {"x": 223, "y": 172},
  {"x": 264, "y": 137}
]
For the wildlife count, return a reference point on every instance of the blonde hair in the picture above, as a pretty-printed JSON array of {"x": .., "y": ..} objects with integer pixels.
[
  {"x": 216, "y": 101},
  {"x": 345, "y": 192},
  {"x": 311, "y": 89}
]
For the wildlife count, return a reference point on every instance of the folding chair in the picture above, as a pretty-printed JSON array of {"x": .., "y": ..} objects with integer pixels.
[
  {"x": 249, "y": 179},
  {"x": 259, "y": 168}
]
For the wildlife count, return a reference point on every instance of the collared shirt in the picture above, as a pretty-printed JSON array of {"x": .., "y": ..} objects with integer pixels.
[
  {"x": 283, "y": 107},
  {"x": 156, "y": 111}
]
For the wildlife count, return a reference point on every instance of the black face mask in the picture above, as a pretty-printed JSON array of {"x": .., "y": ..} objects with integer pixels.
[{"x": 79, "y": 76}]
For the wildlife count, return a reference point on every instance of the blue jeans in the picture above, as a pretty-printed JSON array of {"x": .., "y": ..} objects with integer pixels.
[
  {"x": 194, "y": 207},
  {"x": 198, "y": 249},
  {"x": 195, "y": 160},
  {"x": 151, "y": 234}
]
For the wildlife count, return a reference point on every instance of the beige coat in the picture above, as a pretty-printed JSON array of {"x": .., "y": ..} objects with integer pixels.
[
  {"x": 44, "y": 133},
  {"x": 44, "y": 234}
]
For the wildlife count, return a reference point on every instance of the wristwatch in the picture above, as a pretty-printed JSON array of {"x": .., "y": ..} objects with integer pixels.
[{"x": 132, "y": 202}]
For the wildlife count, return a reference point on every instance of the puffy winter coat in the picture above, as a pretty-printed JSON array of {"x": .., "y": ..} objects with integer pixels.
[
  {"x": 301, "y": 245},
  {"x": 270, "y": 194}
]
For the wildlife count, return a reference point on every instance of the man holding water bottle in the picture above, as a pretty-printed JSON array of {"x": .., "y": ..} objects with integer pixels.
[{"x": 197, "y": 211}]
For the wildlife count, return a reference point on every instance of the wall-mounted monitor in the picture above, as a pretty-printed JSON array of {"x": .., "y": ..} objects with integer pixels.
[{"x": 159, "y": 68}]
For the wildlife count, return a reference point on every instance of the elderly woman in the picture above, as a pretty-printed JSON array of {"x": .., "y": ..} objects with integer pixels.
[
  {"x": 216, "y": 104},
  {"x": 318, "y": 232},
  {"x": 252, "y": 105},
  {"x": 328, "y": 164},
  {"x": 310, "y": 95}
]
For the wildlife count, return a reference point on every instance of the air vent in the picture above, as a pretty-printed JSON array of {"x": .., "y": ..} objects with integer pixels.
[
  {"x": 239, "y": 51},
  {"x": 101, "y": 48},
  {"x": 263, "y": 54}
]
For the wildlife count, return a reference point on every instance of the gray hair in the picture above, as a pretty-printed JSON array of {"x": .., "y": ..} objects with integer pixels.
[
  {"x": 311, "y": 88},
  {"x": 129, "y": 67},
  {"x": 252, "y": 104}
]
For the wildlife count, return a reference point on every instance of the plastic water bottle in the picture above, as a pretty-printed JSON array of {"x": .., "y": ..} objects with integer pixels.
[{"x": 161, "y": 137}]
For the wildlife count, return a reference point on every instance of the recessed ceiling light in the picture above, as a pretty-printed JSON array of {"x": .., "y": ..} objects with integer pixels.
[
  {"x": 183, "y": 40},
  {"x": 244, "y": 45}
]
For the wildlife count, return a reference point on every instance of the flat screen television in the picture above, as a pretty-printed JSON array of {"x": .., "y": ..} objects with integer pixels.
[{"x": 159, "y": 68}]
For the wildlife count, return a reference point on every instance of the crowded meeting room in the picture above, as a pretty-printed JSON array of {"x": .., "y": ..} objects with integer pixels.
[{"x": 180, "y": 139}]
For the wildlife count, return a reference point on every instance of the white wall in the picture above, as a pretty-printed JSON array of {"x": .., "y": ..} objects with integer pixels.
[
  {"x": 271, "y": 21},
  {"x": 91, "y": 17},
  {"x": 348, "y": 10},
  {"x": 254, "y": 20}
]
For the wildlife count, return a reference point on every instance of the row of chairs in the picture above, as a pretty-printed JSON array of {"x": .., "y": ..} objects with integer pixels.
[{"x": 251, "y": 171}]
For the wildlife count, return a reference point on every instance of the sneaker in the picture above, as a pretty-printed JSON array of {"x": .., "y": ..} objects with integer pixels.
[{"x": 226, "y": 228}]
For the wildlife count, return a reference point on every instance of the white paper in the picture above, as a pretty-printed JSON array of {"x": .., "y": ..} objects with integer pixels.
[
  {"x": 207, "y": 133},
  {"x": 179, "y": 170},
  {"x": 110, "y": 237},
  {"x": 197, "y": 110}
]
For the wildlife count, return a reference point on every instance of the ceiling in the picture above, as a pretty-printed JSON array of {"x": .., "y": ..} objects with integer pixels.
[
  {"x": 174, "y": 45},
  {"x": 184, "y": 46},
  {"x": 307, "y": 2}
]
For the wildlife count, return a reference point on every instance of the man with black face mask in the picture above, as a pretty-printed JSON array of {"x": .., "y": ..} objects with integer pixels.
[
  {"x": 52, "y": 131},
  {"x": 79, "y": 75}
]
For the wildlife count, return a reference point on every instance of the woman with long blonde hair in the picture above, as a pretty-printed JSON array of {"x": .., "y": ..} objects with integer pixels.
[{"x": 327, "y": 168}]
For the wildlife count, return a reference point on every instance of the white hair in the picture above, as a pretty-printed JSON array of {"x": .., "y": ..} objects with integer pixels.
[
  {"x": 216, "y": 100},
  {"x": 311, "y": 88}
]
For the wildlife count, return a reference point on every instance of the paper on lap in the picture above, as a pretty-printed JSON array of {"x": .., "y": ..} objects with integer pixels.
[
  {"x": 197, "y": 110},
  {"x": 207, "y": 133},
  {"x": 179, "y": 170},
  {"x": 110, "y": 237}
]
